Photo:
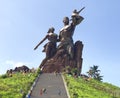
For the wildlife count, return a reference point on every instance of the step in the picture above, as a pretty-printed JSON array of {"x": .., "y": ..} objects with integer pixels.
[{"x": 54, "y": 85}]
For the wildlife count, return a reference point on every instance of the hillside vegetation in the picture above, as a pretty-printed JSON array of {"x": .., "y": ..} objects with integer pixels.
[
  {"x": 82, "y": 88},
  {"x": 16, "y": 85}
]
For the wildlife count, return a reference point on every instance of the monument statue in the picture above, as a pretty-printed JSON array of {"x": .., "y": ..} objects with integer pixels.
[
  {"x": 66, "y": 33},
  {"x": 67, "y": 53},
  {"x": 50, "y": 47}
]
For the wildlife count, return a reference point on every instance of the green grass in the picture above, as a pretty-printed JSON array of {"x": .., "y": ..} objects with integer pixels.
[
  {"x": 80, "y": 88},
  {"x": 16, "y": 86},
  {"x": 10, "y": 87}
]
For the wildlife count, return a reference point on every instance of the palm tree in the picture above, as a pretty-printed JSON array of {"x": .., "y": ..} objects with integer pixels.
[{"x": 94, "y": 73}]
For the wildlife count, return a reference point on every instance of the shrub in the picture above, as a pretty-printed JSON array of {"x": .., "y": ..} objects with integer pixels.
[{"x": 4, "y": 76}]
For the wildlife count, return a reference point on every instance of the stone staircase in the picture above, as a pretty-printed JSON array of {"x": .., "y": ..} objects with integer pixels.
[{"x": 53, "y": 84}]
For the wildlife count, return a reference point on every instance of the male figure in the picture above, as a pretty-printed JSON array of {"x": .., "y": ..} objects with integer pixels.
[{"x": 66, "y": 34}]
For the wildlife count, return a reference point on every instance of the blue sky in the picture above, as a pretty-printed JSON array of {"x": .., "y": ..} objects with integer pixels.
[{"x": 23, "y": 23}]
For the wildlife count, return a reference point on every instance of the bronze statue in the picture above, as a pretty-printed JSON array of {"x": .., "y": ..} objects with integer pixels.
[
  {"x": 50, "y": 47},
  {"x": 76, "y": 18},
  {"x": 75, "y": 12},
  {"x": 67, "y": 53},
  {"x": 66, "y": 33}
]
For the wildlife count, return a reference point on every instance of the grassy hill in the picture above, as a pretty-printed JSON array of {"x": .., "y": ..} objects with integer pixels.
[
  {"x": 82, "y": 88},
  {"x": 16, "y": 85}
]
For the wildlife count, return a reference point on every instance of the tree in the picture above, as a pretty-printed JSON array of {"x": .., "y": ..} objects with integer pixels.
[{"x": 94, "y": 73}]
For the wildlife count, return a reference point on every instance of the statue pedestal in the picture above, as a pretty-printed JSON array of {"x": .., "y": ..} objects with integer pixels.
[{"x": 61, "y": 60}]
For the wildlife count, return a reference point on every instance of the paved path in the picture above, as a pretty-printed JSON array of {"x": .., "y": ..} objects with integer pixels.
[{"x": 53, "y": 84}]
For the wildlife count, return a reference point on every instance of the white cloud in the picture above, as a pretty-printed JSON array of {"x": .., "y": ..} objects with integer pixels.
[
  {"x": 18, "y": 64},
  {"x": 9, "y": 62},
  {"x": 15, "y": 64}
]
